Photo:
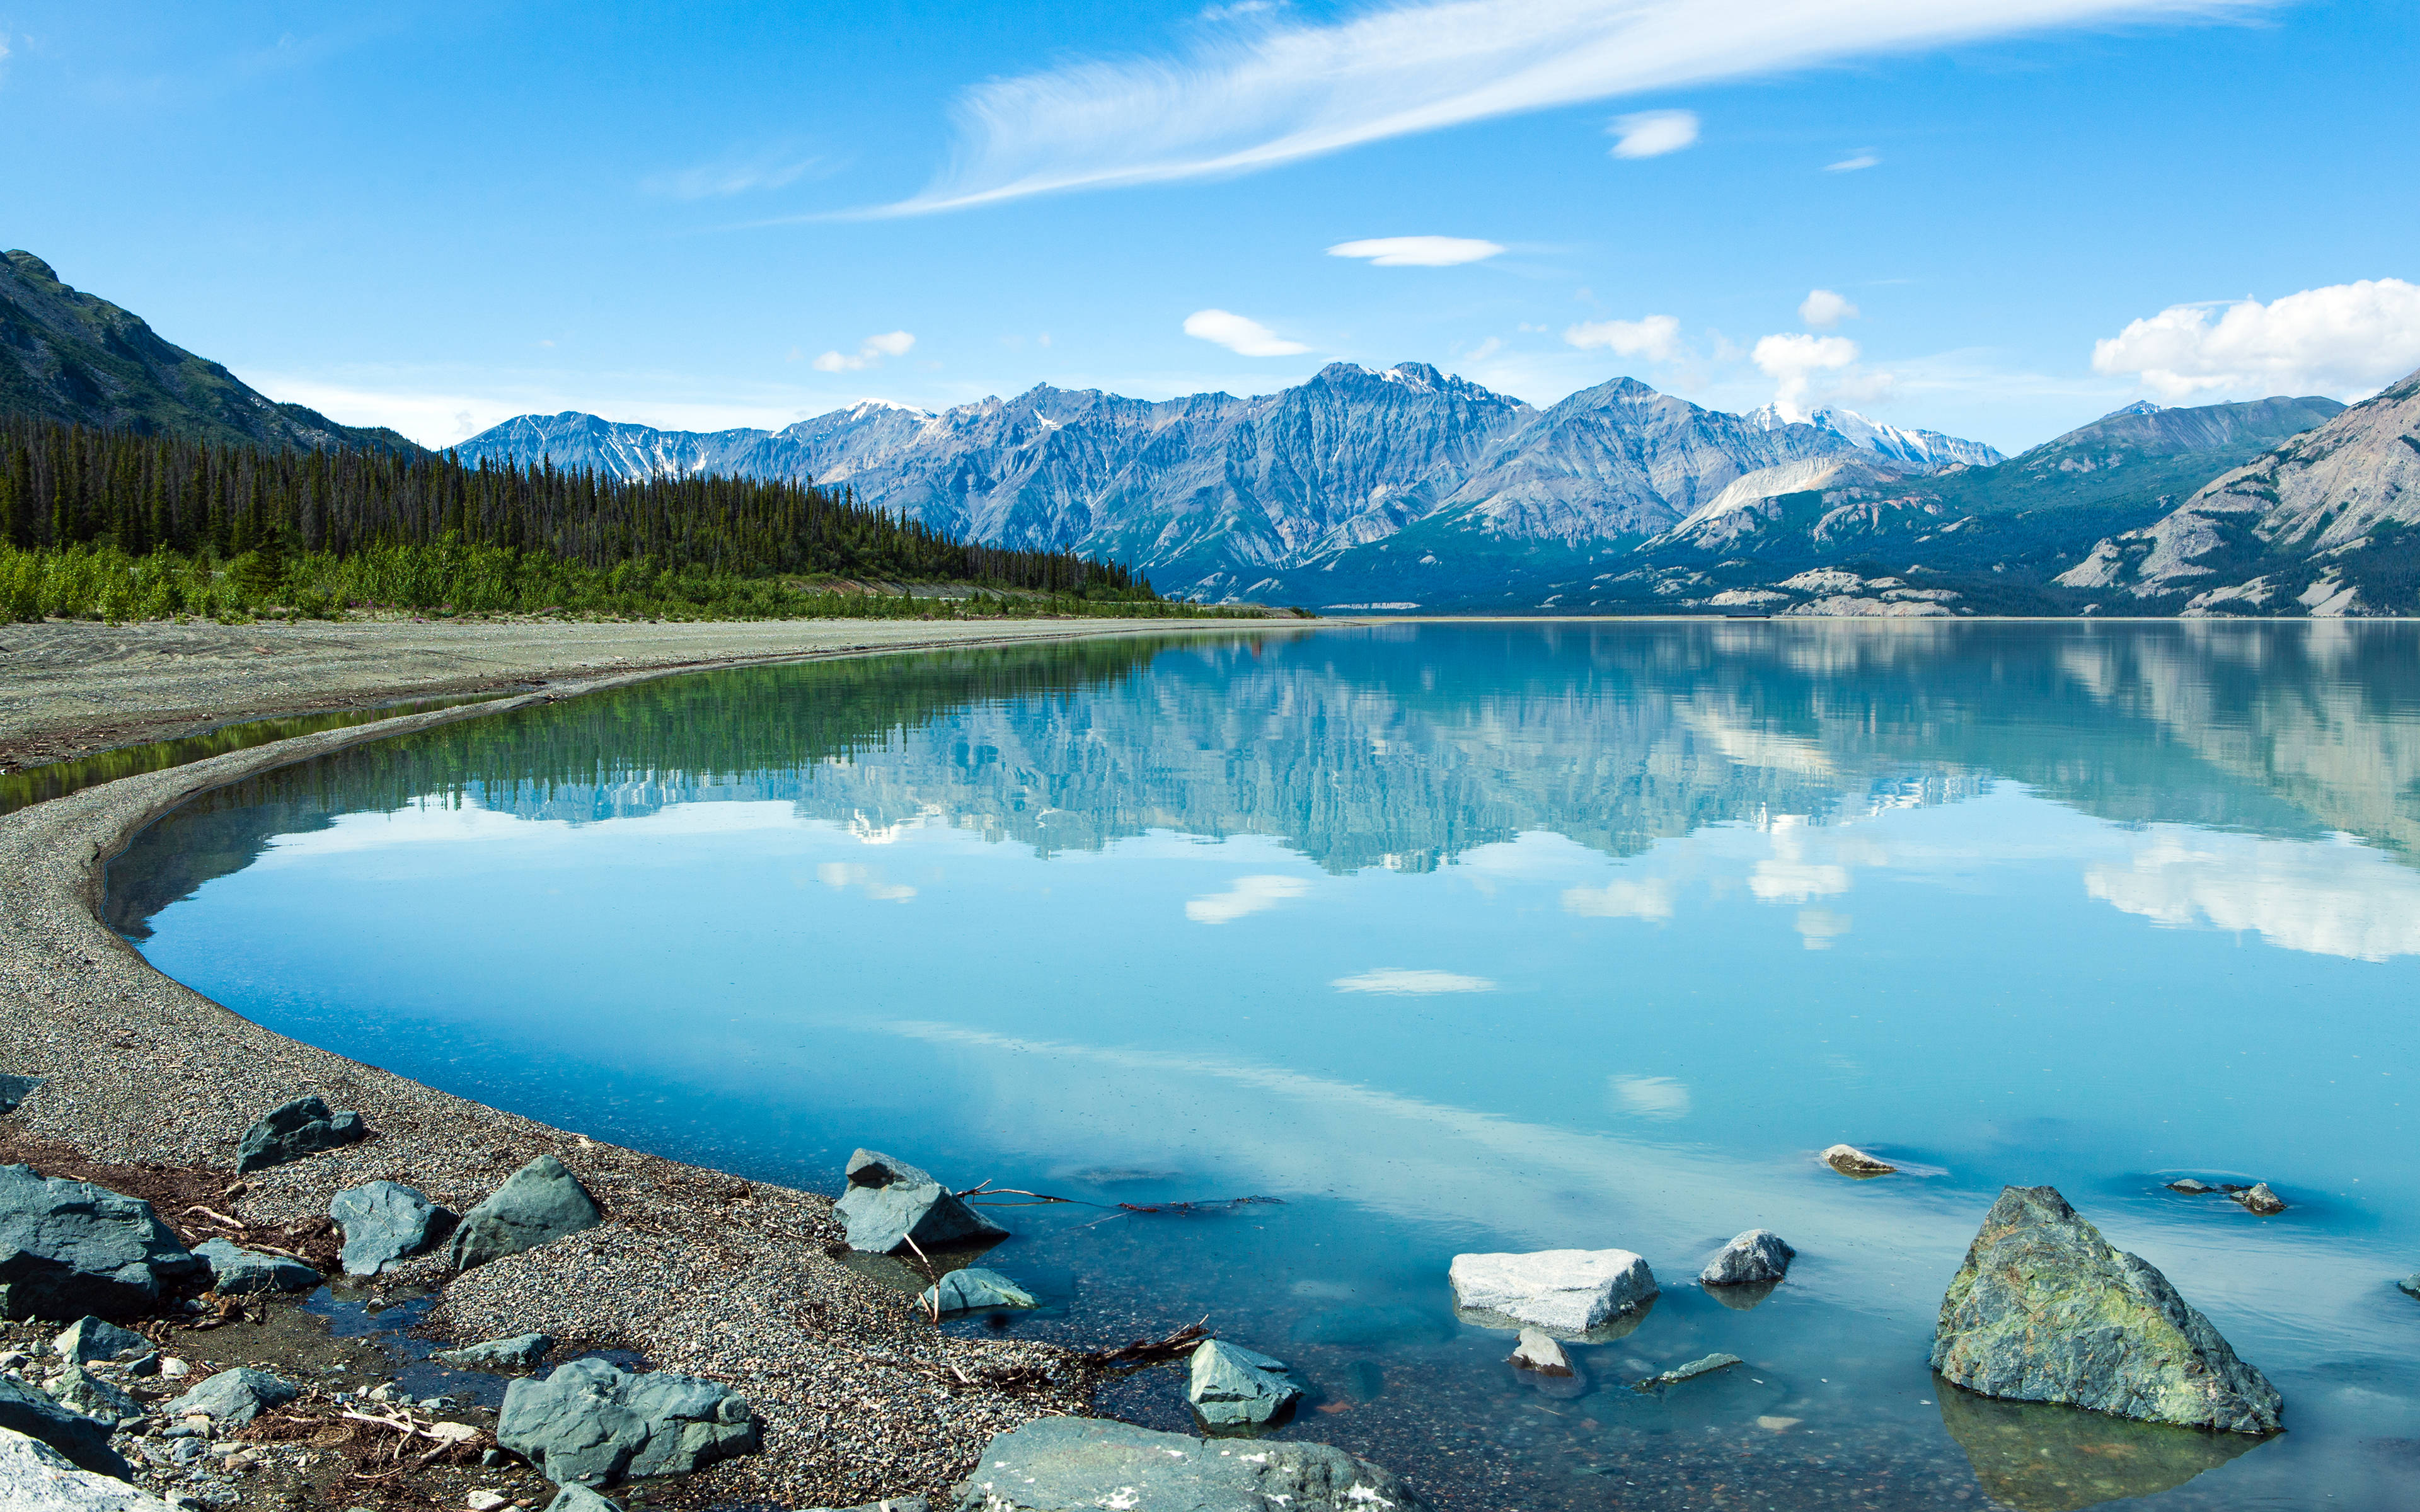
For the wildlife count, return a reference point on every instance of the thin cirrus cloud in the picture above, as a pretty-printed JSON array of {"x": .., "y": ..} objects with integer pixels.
[
  {"x": 734, "y": 176},
  {"x": 1657, "y": 338},
  {"x": 1863, "y": 157},
  {"x": 1418, "y": 251},
  {"x": 1406, "y": 982},
  {"x": 2344, "y": 339},
  {"x": 1260, "y": 91},
  {"x": 1244, "y": 896},
  {"x": 1652, "y": 134},
  {"x": 869, "y": 354},
  {"x": 1247, "y": 337}
]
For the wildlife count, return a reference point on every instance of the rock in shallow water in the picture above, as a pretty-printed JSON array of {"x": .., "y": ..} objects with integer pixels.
[
  {"x": 2259, "y": 1199},
  {"x": 293, "y": 1130},
  {"x": 2045, "y": 1310},
  {"x": 595, "y": 1423},
  {"x": 1850, "y": 1161},
  {"x": 36, "y": 1477},
  {"x": 234, "y": 1270},
  {"x": 974, "y": 1288},
  {"x": 1573, "y": 1291},
  {"x": 68, "y": 1248},
  {"x": 889, "y": 1202},
  {"x": 2410, "y": 1285},
  {"x": 385, "y": 1222},
  {"x": 1705, "y": 1365},
  {"x": 2189, "y": 1187},
  {"x": 522, "y": 1351},
  {"x": 1758, "y": 1255},
  {"x": 1231, "y": 1388},
  {"x": 1074, "y": 1464},
  {"x": 540, "y": 1202},
  {"x": 81, "y": 1439},
  {"x": 1538, "y": 1351}
]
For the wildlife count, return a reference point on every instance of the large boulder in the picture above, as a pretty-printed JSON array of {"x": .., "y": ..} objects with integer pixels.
[
  {"x": 974, "y": 1288},
  {"x": 293, "y": 1130},
  {"x": 1571, "y": 1291},
  {"x": 1758, "y": 1255},
  {"x": 385, "y": 1222},
  {"x": 595, "y": 1423},
  {"x": 889, "y": 1202},
  {"x": 68, "y": 1248},
  {"x": 233, "y": 1397},
  {"x": 1083, "y": 1464},
  {"x": 235, "y": 1270},
  {"x": 1231, "y": 1387},
  {"x": 539, "y": 1202},
  {"x": 13, "y": 1090},
  {"x": 88, "y": 1339},
  {"x": 35, "y": 1477},
  {"x": 2045, "y": 1310},
  {"x": 82, "y": 1440}
]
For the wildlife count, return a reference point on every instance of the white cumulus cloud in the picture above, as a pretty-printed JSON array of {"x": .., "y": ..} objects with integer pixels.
[
  {"x": 1652, "y": 134},
  {"x": 1245, "y": 895},
  {"x": 2345, "y": 339},
  {"x": 1823, "y": 309},
  {"x": 869, "y": 354},
  {"x": 1418, "y": 251},
  {"x": 1656, "y": 338},
  {"x": 1793, "y": 360},
  {"x": 1406, "y": 982},
  {"x": 1239, "y": 334},
  {"x": 1273, "y": 91}
]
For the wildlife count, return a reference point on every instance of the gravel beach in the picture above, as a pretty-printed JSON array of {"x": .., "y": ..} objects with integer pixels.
[{"x": 695, "y": 1270}]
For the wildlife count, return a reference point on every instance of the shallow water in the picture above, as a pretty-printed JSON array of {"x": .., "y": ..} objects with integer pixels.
[{"x": 1464, "y": 937}]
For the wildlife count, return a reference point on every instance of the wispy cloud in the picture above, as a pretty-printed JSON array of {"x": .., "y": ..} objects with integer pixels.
[
  {"x": 1271, "y": 92},
  {"x": 1239, "y": 334},
  {"x": 1823, "y": 309},
  {"x": 1406, "y": 982},
  {"x": 1864, "y": 158},
  {"x": 869, "y": 354},
  {"x": 1656, "y": 338},
  {"x": 1418, "y": 251},
  {"x": 731, "y": 175},
  {"x": 1652, "y": 134}
]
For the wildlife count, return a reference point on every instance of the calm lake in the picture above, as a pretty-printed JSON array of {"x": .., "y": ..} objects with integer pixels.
[{"x": 1465, "y": 937}]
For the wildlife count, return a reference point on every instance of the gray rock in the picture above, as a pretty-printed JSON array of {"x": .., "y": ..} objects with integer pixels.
[
  {"x": 1080, "y": 1464},
  {"x": 522, "y": 1351},
  {"x": 233, "y": 1397},
  {"x": 13, "y": 1090},
  {"x": 1758, "y": 1255},
  {"x": 235, "y": 1270},
  {"x": 1850, "y": 1161},
  {"x": 1539, "y": 1352},
  {"x": 2259, "y": 1199},
  {"x": 597, "y": 1425},
  {"x": 1706, "y": 1365},
  {"x": 1566, "y": 1291},
  {"x": 79, "y": 1390},
  {"x": 293, "y": 1130},
  {"x": 889, "y": 1202},
  {"x": 1231, "y": 1388},
  {"x": 88, "y": 1339},
  {"x": 82, "y": 1440},
  {"x": 2410, "y": 1285},
  {"x": 579, "y": 1497},
  {"x": 68, "y": 1248},
  {"x": 385, "y": 1222},
  {"x": 35, "y": 1477},
  {"x": 975, "y": 1288},
  {"x": 2045, "y": 1310},
  {"x": 540, "y": 1202},
  {"x": 2189, "y": 1186}
]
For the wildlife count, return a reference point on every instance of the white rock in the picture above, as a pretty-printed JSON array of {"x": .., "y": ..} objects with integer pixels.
[
  {"x": 1539, "y": 1351},
  {"x": 36, "y": 1477},
  {"x": 452, "y": 1432},
  {"x": 172, "y": 1368},
  {"x": 1571, "y": 1290},
  {"x": 484, "y": 1501}
]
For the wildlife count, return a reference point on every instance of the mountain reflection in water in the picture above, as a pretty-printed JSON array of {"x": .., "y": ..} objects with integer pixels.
[{"x": 1456, "y": 938}]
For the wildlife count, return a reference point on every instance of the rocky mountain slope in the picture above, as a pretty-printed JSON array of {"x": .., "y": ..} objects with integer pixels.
[
  {"x": 2321, "y": 523},
  {"x": 77, "y": 358},
  {"x": 1922, "y": 450}
]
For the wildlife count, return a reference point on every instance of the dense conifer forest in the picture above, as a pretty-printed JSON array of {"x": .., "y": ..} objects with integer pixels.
[{"x": 123, "y": 526}]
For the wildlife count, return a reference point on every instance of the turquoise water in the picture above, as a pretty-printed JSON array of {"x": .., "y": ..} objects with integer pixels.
[{"x": 1464, "y": 937}]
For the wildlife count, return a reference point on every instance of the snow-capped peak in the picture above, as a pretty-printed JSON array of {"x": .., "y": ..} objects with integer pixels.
[{"x": 1927, "y": 449}]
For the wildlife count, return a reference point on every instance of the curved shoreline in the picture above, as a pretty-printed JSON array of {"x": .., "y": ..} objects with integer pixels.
[{"x": 695, "y": 1269}]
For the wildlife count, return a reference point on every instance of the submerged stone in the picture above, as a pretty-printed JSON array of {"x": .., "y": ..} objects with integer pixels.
[
  {"x": 385, "y": 1222},
  {"x": 235, "y": 1270},
  {"x": 2038, "y": 1458},
  {"x": 1705, "y": 1365},
  {"x": 975, "y": 1289},
  {"x": 522, "y": 1351},
  {"x": 2045, "y": 1310},
  {"x": 1233, "y": 1387},
  {"x": 1758, "y": 1255},
  {"x": 595, "y": 1423},
  {"x": 1538, "y": 1351},
  {"x": 1372, "y": 1323},
  {"x": 1571, "y": 1290},
  {"x": 68, "y": 1248},
  {"x": 1080, "y": 1464},
  {"x": 293, "y": 1130},
  {"x": 889, "y": 1202},
  {"x": 2259, "y": 1199},
  {"x": 2190, "y": 1186},
  {"x": 540, "y": 1202}
]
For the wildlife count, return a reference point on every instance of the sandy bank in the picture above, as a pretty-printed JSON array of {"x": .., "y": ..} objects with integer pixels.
[{"x": 696, "y": 1271}]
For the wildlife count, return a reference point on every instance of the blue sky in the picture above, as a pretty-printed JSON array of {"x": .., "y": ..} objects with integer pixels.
[{"x": 444, "y": 215}]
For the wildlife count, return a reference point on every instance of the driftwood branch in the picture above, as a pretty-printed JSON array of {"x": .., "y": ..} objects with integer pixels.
[{"x": 1142, "y": 1352}]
